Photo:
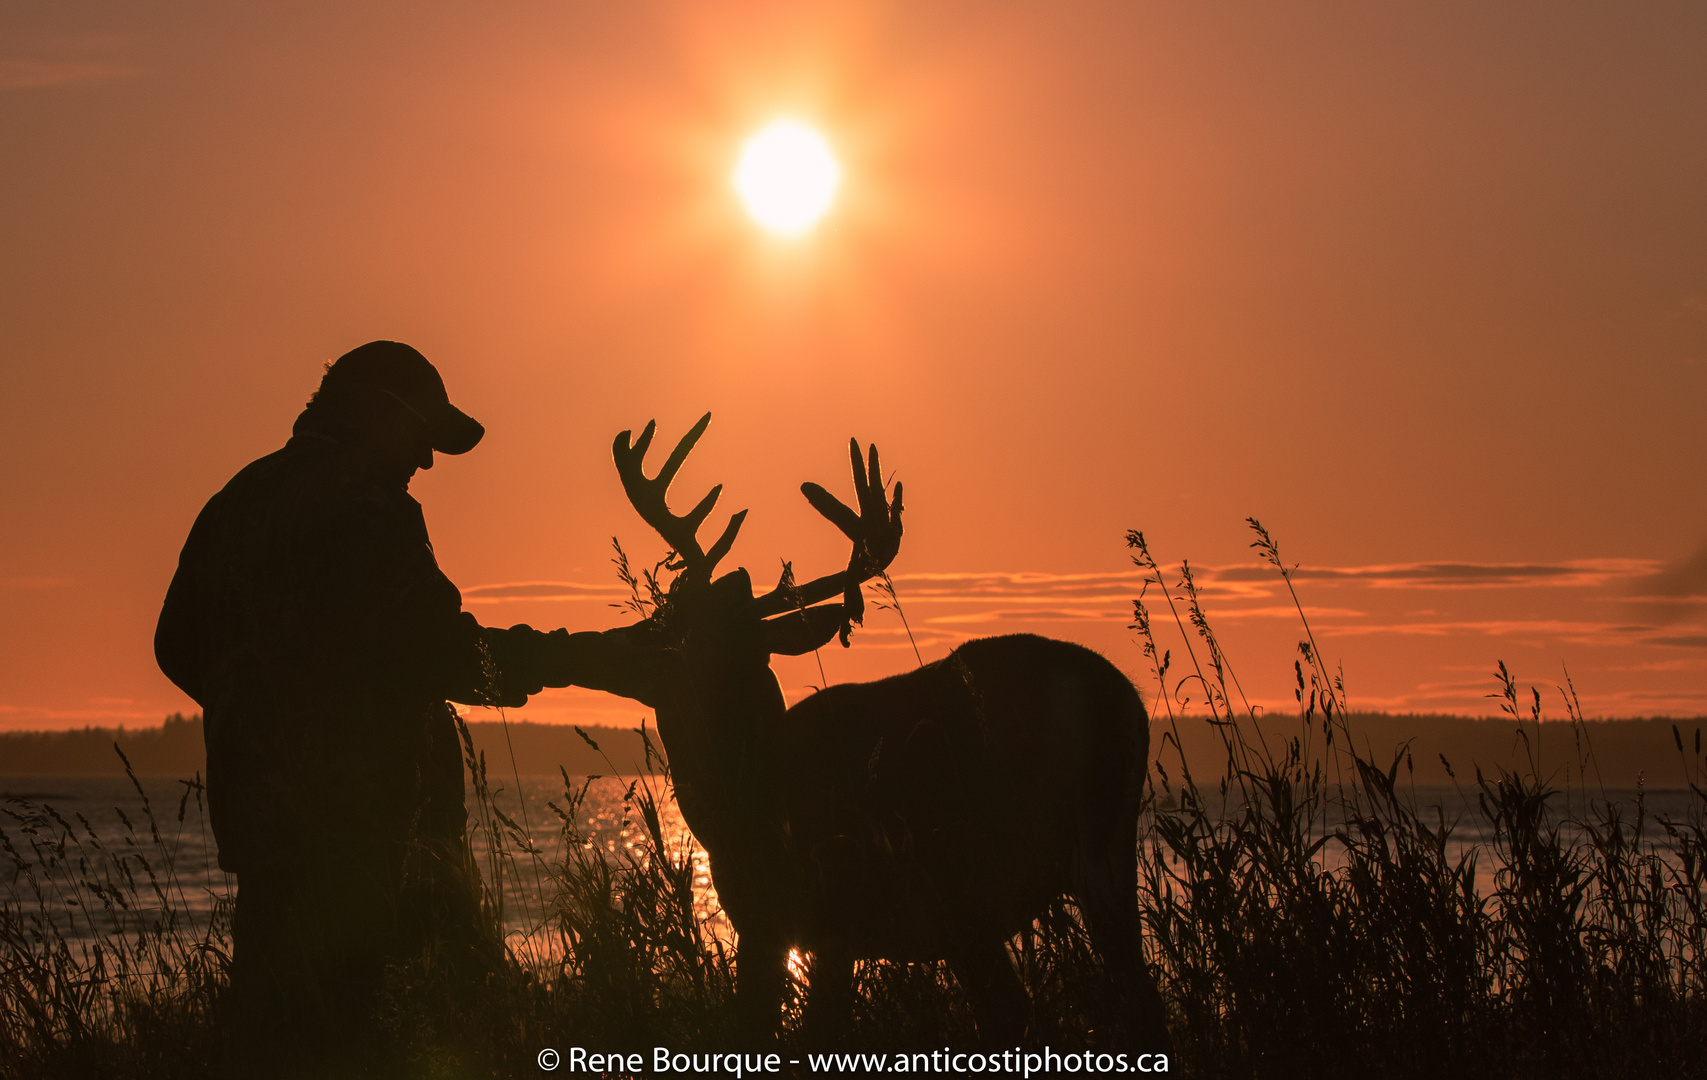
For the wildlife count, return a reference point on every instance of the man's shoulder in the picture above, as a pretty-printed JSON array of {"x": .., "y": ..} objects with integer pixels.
[
  {"x": 297, "y": 460},
  {"x": 311, "y": 480},
  {"x": 319, "y": 467}
]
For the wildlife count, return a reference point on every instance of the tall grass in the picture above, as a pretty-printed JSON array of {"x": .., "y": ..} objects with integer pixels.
[
  {"x": 1306, "y": 915},
  {"x": 104, "y": 965}
]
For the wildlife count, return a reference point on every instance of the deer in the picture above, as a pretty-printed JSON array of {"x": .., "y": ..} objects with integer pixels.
[{"x": 933, "y": 815}]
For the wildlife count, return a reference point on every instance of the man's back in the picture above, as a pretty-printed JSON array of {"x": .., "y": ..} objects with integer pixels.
[{"x": 310, "y": 620}]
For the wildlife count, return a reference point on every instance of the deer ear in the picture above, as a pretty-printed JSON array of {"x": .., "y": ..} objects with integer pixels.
[{"x": 802, "y": 631}]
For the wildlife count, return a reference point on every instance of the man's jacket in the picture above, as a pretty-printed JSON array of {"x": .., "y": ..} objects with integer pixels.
[{"x": 312, "y": 624}]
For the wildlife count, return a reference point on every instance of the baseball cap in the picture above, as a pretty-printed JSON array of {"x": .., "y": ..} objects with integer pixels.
[{"x": 403, "y": 374}]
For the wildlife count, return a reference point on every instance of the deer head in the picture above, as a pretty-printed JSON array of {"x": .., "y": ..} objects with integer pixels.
[{"x": 721, "y": 635}]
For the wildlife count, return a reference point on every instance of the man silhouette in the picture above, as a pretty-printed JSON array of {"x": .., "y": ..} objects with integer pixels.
[{"x": 312, "y": 624}]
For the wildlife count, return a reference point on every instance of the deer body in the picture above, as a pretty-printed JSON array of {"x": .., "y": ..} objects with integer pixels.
[
  {"x": 934, "y": 811},
  {"x": 931, "y": 815}
]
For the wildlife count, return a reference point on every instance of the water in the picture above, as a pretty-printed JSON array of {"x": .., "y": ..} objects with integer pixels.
[
  {"x": 607, "y": 818},
  {"x": 101, "y": 842},
  {"x": 95, "y": 832}
]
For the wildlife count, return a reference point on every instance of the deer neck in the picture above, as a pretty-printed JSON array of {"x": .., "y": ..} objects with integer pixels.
[{"x": 722, "y": 738}]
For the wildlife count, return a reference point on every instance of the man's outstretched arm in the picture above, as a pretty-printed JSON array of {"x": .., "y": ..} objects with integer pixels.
[
  {"x": 625, "y": 661},
  {"x": 430, "y": 642}
]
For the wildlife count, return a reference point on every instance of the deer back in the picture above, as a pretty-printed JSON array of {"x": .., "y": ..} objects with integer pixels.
[{"x": 963, "y": 790}]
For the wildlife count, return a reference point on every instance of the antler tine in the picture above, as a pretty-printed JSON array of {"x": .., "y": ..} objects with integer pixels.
[
  {"x": 680, "y": 454},
  {"x": 693, "y": 519},
  {"x": 875, "y": 531},
  {"x": 648, "y": 496},
  {"x": 727, "y": 540}
]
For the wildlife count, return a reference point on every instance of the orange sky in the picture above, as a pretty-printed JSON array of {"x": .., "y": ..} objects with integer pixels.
[{"x": 1423, "y": 287}]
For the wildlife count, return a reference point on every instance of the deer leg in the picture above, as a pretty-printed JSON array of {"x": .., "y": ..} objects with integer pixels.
[
  {"x": 1106, "y": 889},
  {"x": 759, "y": 972},
  {"x": 829, "y": 997},
  {"x": 999, "y": 1001}
]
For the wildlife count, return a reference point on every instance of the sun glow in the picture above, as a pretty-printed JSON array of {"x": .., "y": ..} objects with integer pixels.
[{"x": 787, "y": 177}]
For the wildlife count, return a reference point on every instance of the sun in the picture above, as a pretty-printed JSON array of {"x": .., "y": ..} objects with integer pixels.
[{"x": 787, "y": 177}]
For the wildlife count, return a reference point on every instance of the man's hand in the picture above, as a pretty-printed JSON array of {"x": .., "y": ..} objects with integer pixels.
[{"x": 515, "y": 659}]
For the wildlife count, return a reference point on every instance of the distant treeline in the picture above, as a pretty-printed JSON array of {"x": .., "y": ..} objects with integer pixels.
[
  {"x": 175, "y": 749},
  {"x": 1618, "y": 753},
  {"x": 1613, "y": 753}
]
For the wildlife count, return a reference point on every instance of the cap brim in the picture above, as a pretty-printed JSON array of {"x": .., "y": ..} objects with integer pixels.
[{"x": 456, "y": 432}]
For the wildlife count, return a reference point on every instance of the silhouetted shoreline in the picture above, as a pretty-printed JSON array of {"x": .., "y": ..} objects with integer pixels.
[
  {"x": 175, "y": 749},
  {"x": 1617, "y": 753}
]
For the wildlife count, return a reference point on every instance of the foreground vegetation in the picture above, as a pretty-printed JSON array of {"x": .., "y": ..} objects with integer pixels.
[{"x": 1304, "y": 917}]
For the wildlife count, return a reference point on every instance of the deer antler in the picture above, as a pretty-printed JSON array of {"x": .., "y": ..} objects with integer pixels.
[
  {"x": 681, "y": 532},
  {"x": 875, "y": 531}
]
